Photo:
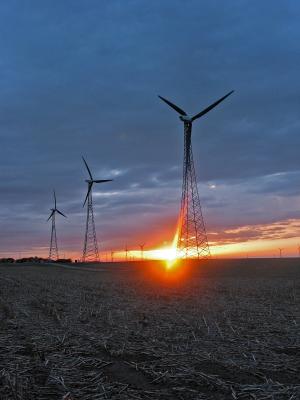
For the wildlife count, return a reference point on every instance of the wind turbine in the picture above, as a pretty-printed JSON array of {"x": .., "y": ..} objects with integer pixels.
[
  {"x": 53, "y": 250},
  {"x": 90, "y": 247},
  {"x": 280, "y": 252},
  {"x": 142, "y": 250},
  {"x": 191, "y": 233}
]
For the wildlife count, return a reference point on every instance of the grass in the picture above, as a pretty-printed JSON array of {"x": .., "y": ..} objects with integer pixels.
[{"x": 220, "y": 330}]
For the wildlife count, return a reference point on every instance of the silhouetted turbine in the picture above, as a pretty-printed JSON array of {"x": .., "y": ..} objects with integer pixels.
[
  {"x": 192, "y": 238},
  {"x": 53, "y": 249},
  {"x": 90, "y": 247},
  {"x": 142, "y": 250}
]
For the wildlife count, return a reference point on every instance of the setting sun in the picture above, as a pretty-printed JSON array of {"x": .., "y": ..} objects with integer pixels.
[{"x": 167, "y": 254}]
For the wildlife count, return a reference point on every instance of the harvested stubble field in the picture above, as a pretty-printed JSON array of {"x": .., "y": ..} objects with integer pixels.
[{"x": 222, "y": 330}]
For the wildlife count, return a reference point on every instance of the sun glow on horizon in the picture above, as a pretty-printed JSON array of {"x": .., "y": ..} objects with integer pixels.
[
  {"x": 172, "y": 254},
  {"x": 264, "y": 241}
]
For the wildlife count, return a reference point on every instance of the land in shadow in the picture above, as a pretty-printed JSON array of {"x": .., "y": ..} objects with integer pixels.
[{"x": 215, "y": 329}]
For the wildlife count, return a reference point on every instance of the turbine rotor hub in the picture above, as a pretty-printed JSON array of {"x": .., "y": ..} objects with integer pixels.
[{"x": 186, "y": 118}]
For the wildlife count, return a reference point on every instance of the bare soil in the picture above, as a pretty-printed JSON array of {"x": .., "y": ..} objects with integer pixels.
[{"x": 218, "y": 329}]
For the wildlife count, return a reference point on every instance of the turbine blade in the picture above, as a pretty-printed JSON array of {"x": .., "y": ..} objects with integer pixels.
[
  {"x": 50, "y": 216},
  {"x": 206, "y": 110},
  {"x": 103, "y": 180},
  {"x": 54, "y": 199},
  {"x": 87, "y": 195},
  {"x": 87, "y": 167},
  {"x": 179, "y": 110},
  {"x": 59, "y": 212}
]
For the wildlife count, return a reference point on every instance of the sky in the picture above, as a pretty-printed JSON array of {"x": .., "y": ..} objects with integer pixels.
[{"x": 82, "y": 78}]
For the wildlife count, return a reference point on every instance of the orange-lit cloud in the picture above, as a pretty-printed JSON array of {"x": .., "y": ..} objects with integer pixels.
[{"x": 258, "y": 240}]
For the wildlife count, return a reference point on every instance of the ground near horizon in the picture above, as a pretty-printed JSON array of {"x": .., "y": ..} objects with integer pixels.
[{"x": 217, "y": 329}]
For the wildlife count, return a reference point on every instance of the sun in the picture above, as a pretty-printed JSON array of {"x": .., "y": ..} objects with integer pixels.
[
  {"x": 171, "y": 252},
  {"x": 170, "y": 256},
  {"x": 166, "y": 253}
]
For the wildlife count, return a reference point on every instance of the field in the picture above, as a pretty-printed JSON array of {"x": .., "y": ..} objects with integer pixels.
[{"x": 214, "y": 330}]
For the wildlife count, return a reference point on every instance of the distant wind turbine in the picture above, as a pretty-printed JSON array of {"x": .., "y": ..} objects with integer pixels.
[
  {"x": 90, "y": 247},
  {"x": 53, "y": 249},
  {"x": 142, "y": 250}
]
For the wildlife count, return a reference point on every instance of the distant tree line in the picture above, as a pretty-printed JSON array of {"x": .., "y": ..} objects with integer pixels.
[{"x": 38, "y": 260}]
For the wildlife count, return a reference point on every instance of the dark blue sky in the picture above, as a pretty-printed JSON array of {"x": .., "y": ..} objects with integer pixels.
[{"x": 82, "y": 78}]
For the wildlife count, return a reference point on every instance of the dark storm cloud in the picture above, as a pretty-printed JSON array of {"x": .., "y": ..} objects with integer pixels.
[{"x": 83, "y": 77}]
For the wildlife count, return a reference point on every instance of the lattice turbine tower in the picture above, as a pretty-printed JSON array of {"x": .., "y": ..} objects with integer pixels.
[
  {"x": 191, "y": 233},
  {"x": 90, "y": 247},
  {"x": 53, "y": 249}
]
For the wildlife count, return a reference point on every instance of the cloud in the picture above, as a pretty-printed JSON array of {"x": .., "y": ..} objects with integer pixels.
[
  {"x": 279, "y": 230},
  {"x": 82, "y": 79}
]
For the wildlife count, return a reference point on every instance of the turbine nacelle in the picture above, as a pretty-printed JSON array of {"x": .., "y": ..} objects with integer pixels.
[{"x": 186, "y": 118}]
